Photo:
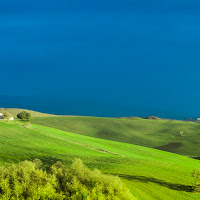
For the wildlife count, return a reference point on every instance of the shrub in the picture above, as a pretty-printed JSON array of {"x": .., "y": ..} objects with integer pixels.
[
  {"x": 6, "y": 115},
  {"x": 28, "y": 181},
  {"x": 196, "y": 174},
  {"x": 151, "y": 117},
  {"x": 25, "y": 116},
  {"x": 181, "y": 133}
]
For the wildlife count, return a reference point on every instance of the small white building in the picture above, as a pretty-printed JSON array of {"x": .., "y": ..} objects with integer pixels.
[
  {"x": 12, "y": 118},
  {"x": 1, "y": 117}
]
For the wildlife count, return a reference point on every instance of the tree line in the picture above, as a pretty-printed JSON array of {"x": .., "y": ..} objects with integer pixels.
[{"x": 28, "y": 180}]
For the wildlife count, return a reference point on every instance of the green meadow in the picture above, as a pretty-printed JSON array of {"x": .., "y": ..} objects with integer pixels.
[
  {"x": 160, "y": 134},
  {"x": 114, "y": 146}
]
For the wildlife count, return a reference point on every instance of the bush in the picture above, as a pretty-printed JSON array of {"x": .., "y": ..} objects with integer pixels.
[
  {"x": 151, "y": 117},
  {"x": 25, "y": 116},
  {"x": 6, "y": 115},
  {"x": 196, "y": 174},
  {"x": 181, "y": 133},
  {"x": 28, "y": 181}
]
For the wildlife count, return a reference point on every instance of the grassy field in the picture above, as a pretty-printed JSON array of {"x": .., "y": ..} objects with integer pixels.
[
  {"x": 160, "y": 134},
  {"x": 15, "y": 111},
  {"x": 149, "y": 173}
]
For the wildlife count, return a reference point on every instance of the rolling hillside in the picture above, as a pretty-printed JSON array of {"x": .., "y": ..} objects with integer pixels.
[
  {"x": 15, "y": 111},
  {"x": 144, "y": 170},
  {"x": 160, "y": 134}
]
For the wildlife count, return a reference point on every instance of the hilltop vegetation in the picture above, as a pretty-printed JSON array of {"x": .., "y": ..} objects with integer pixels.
[
  {"x": 179, "y": 137},
  {"x": 24, "y": 116},
  {"x": 144, "y": 171},
  {"x": 15, "y": 111}
]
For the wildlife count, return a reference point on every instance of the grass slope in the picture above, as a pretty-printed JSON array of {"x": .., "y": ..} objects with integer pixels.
[
  {"x": 15, "y": 111},
  {"x": 161, "y": 134},
  {"x": 149, "y": 173}
]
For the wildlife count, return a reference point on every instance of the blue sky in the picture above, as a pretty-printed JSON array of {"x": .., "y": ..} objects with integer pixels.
[{"x": 142, "y": 55}]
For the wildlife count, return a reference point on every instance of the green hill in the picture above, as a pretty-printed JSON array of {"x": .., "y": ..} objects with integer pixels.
[
  {"x": 149, "y": 173},
  {"x": 15, "y": 111},
  {"x": 160, "y": 134}
]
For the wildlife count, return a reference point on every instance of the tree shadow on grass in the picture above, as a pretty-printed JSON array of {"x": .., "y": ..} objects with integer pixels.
[
  {"x": 48, "y": 161},
  {"x": 173, "y": 186}
]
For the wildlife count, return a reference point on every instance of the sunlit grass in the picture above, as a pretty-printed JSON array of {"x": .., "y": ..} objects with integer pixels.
[
  {"x": 149, "y": 173},
  {"x": 162, "y": 134}
]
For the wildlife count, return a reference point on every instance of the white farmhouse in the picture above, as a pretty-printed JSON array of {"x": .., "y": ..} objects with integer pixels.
[{"x": 1, "y": 117}]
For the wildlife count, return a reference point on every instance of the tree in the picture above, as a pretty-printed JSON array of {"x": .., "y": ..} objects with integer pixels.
[
  {"x": 24, "y": 116},
  {"x": 28, "y": 180},
  {"x": 6, "y": 115}
]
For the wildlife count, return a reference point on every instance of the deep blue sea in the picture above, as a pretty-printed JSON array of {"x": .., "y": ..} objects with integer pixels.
[
  {"x": 101, "y": 58},
  {"x": 89, "y": 108}
]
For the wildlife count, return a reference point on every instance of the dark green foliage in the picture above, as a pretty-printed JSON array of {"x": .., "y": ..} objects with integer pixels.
[
  {"x": 6, "y": 115},
  {"x": 151, "y": 117},
  {"x": 28, "y": 181},
  {"x": 25, "y": 116}
]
